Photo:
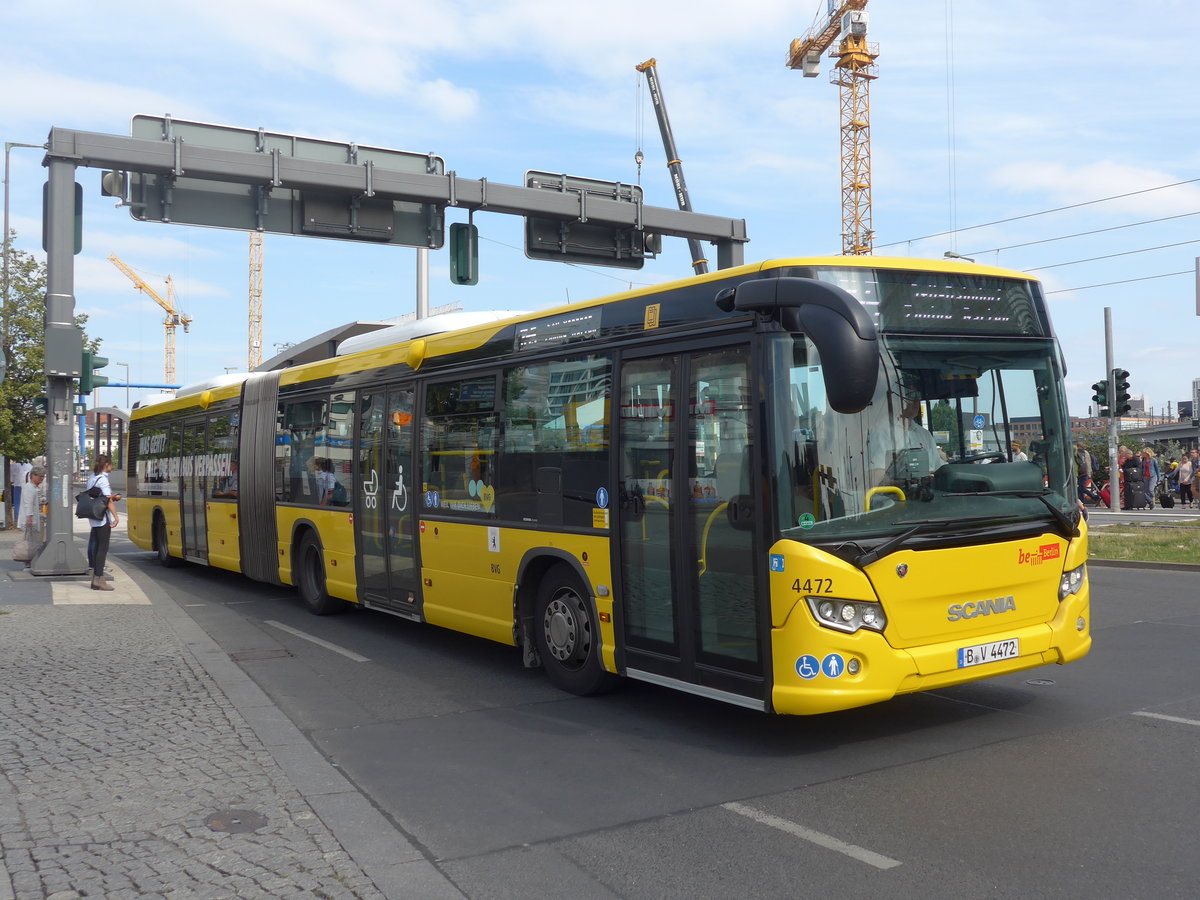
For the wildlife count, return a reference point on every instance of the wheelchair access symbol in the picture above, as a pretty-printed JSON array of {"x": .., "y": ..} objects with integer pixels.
[{"x": 808, "y": 667}]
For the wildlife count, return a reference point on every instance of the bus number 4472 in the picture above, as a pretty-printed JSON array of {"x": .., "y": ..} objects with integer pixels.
[{"x": 813, "y": 586}]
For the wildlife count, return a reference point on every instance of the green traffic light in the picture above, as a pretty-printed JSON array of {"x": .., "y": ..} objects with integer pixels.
[
  {"x": 88, "y": 379},
  {"x": 1120, "y": 380}
]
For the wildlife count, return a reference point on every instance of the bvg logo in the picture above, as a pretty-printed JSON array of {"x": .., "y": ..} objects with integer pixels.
[{"x": 1038, "y": 556}]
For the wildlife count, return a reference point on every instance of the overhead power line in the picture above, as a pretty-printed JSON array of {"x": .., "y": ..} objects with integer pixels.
[
  {"x": 1082, "y": 234},
  {"x": 1043, "y": 212},
  {"x": 1076, "y": 262},
  {"x": 1087, "y": 287}
]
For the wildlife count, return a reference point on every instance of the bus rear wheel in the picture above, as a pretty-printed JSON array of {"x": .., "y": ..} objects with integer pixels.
[
  {"x": 160, "y": 544},
  {"x": 310, "y": 579},
  {"x": 567, "y": 635}
]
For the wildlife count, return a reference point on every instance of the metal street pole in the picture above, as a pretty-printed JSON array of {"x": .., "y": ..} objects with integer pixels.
[
  {"x": 1114, "y": 470},
  {"x": 64, "y": 351},
  {"x": 126, "y": 367}
]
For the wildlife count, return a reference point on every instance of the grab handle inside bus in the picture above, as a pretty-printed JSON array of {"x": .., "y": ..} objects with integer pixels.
[{"x": 831, "y": 318}]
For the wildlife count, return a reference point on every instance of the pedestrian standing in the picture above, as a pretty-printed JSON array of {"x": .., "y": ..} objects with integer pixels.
[
  {"x": 1194, "y": 459},
  {"x": 1184, "y": 476},
  {"x": 32, "y": 502},
  {"x": 1152, "y": 473},
  {"x": 102, "y": 527},
  {"x": 18, "y": 473}
]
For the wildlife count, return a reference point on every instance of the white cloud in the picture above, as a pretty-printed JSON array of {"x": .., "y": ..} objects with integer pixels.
[{"x": 38, "y": 98}]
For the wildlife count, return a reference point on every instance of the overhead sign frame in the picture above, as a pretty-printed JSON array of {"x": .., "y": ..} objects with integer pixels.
[
  {"x": 357, "y": 215},
  {"x": 579, "y": 240}
]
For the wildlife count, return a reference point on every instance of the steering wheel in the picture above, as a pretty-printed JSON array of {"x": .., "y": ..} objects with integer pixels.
[{"x": 979, "y": 457}]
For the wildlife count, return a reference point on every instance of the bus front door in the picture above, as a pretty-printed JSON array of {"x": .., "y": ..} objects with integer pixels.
[
  {"x": 690, "y": 606},
  {"x": 384, "y": 508}
]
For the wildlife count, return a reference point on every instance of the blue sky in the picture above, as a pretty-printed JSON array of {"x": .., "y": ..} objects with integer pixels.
[{"x": 982, "y": 112}]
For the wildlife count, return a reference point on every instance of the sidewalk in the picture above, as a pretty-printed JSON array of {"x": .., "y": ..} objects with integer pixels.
[{"x": 137, "y": 760}]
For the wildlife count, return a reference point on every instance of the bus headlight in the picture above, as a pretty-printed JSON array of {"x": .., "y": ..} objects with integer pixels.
[
  {"x": 847, "y": 615},
  {"x": 1072, "y": 582}
]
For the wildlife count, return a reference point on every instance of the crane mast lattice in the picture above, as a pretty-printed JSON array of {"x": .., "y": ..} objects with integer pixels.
[
  {"x": 174, "y": 317},
  {"x": 853, "y": 72}
]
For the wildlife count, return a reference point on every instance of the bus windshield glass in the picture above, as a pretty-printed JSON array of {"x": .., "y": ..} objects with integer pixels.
[{"x": 960, "y": 429}]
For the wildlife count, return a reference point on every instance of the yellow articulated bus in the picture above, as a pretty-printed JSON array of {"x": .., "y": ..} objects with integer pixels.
[{"x": 798, "y": 486}]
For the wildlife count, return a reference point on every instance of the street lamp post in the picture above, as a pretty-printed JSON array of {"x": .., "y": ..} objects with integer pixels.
[
  {"x": 8, "y": 146},
  {"x": 126, "y": 367},
  {"x": 4, "y": 310}
]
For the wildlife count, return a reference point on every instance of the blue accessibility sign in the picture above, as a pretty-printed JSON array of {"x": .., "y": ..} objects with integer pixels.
[
  {"x": 833, "y": 665},
  {"x": 978, "y": 422},
  {"x": 808, "y": 667},
  {"x": 776, "y": 562},
  {"x": 602, "y": 498}
]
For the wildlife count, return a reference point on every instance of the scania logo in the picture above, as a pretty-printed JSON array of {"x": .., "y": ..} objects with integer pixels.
[
  {"x": 970, "y": 610},
  {"x": 902, "y": 569}
]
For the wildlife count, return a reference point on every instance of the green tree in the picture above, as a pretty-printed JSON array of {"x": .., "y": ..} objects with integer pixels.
[
  {"x": 944, "y": 417},
  {"x": 22, "y": 340}
]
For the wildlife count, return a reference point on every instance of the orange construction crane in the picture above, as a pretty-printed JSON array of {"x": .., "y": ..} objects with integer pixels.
[
  {"x": 853, "y": 73},
  {"x": 174, "y": 317}
]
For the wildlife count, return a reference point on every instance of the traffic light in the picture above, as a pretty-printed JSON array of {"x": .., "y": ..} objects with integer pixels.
[
  {"x": 88, "y": 379},
  {"x": 1120, "y": 382},
  {"x": 464, "y": 253},
  {"x": 1100, "y": 397}
]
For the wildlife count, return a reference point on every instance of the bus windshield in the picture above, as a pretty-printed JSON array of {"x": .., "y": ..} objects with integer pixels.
[{"x": 969, "y": 431}]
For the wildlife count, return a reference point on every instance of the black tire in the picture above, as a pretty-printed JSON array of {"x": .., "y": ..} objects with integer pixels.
[
  {"x": 568, "y": 639},
  {"x": 161, "y": 547},
  {"x": 310, "y": 579}
]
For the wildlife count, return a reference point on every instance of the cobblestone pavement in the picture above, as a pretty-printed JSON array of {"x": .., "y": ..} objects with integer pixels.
[{"x": 126, "y": 771}]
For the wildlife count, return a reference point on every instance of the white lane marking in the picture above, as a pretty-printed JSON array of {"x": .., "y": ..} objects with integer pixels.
[
  {"x": 1150, "y": 715},
  {"x": 815, "y": 837},
  {"x": 349, "y": 654}
]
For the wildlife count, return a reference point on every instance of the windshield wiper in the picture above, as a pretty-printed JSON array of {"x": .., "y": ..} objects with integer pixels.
[
  {"x": 1069, "y": 524},
  {"x": 879, "y": 551}
]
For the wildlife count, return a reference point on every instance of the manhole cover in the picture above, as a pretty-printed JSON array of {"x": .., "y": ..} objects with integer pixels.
[
  {"x": 1040, "y": 681},
  {"x": 236, "y": 821}
]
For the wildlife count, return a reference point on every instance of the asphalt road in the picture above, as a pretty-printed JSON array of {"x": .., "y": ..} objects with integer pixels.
[{"x": 1078, "y": 781}]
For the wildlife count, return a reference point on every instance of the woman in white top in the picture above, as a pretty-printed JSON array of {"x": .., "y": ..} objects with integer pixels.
[{"x": 101, "y": 528}]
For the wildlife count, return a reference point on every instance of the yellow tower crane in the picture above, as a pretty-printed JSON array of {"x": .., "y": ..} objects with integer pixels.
[
  {"x": 853, "y": 73},
  {"x": 174, "y": 317}
]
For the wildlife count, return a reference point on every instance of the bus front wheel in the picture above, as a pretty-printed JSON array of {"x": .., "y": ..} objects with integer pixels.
[
  {"x": 567, "y": 636},
  {"x": 310, "y": 579}
]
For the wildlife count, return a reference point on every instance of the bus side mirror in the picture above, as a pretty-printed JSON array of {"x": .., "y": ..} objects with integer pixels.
[{"x": 832, "y": 319}]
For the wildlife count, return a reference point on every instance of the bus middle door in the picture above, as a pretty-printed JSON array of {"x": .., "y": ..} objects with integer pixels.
[{"x": 385, "y": 506}]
